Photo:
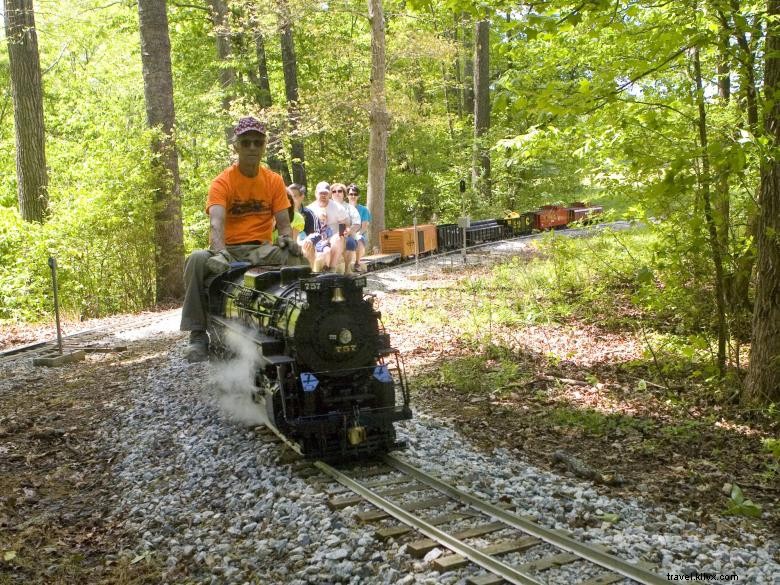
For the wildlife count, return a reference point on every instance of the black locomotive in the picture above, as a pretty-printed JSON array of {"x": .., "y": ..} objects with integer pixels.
[{"x": 327, "y": 377}]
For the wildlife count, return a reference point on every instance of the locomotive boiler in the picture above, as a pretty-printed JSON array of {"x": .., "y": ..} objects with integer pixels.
[{"x": 327, "y": 377}]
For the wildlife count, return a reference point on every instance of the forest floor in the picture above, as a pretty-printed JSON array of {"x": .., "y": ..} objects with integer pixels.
[
  {"x": 574, "y": 392},
  {"x": 569, "y": 387},
  {"x": 56, "y": 485}
]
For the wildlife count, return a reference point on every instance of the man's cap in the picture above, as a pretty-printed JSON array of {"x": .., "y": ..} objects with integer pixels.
[
  {"x": 249, "y": 124},
  {"x": 322, "y": 186}
]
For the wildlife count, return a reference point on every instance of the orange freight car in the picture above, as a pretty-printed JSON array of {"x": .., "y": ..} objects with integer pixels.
[
  {"x": 551, "y": 217},
  {"x": 402, "y": 241}
]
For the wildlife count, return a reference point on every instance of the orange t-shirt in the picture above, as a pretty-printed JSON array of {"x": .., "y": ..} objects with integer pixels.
[{"x": 250, "y": 203}]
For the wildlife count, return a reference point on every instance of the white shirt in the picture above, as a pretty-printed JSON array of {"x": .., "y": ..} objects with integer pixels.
[{"x": 336, "y": 214}]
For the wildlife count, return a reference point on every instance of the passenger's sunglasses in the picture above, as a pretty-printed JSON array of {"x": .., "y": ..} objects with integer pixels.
[
  {"x": 247, "y": 142},
  {"x": 337, "y": 191},
  {"x": 352, "y": 194}
]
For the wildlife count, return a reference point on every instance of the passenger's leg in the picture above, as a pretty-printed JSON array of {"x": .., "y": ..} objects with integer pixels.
[
  {"x": 359, "y": 253},
  {"x": 337, "y": 253}
]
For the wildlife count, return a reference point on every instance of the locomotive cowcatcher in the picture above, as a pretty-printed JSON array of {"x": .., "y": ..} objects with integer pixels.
[{"x": 327, "y": 376}]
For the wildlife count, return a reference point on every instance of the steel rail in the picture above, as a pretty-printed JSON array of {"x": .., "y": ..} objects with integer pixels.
[
  {"x": 505, "y": 571},
  {"x": 550, "y": 536},
  {"x": 136, "y": 323}
]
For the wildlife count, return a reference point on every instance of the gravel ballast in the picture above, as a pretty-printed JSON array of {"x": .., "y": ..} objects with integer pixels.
[{"x": 207, "y": 494}]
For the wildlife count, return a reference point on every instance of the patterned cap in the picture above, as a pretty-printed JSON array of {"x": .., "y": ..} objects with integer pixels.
[
  {"x": 322, "y": 186},
  {"x": 249, "y": 124}
]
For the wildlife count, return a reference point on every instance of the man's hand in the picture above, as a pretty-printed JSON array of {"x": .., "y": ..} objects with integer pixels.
[
  {"x": 289, "y": 244},
  {"x": 219, "y": 262}
]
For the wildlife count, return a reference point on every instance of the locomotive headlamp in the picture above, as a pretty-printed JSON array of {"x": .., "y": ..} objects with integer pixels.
[{"x": 345, "y": 336}]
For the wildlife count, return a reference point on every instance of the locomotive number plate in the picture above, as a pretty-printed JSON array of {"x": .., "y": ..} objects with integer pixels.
[
  {"x": 312, "y": 286},
  {"x": 345, "y": 348}
]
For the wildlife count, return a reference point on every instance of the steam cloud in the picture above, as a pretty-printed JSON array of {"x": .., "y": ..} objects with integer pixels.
[{"x": 234, "y": 380}]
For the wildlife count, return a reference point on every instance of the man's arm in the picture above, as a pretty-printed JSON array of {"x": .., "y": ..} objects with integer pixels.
[
  {"x": 217, "y": 227},
  {"x": 283, "y": 226}
]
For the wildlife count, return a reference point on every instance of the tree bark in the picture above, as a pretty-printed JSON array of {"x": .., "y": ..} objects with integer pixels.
[
  {"x": 467, "y": 91},
  {"x": 763, "y": 380},
  {"x": 290, "y": 67},
  {"x": 158, "y": 91},
  {"x": 480, "y": 174},
  {"x": 265, "y": 100},
  {"x": 227, "y": 75},
  {"x": 717, "y": 256},
  {"x": 27, "y": 89},
  {"x": 379, "y": 121}
]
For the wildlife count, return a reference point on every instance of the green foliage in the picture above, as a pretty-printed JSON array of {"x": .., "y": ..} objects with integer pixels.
[
  {"x": 738, "y": 505},
  {"x": 477, "y": 374}
]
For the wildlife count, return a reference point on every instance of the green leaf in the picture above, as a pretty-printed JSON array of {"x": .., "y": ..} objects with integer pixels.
[
  {"x": 9, "y": 555},
  {"x": 736, "y": 494}
]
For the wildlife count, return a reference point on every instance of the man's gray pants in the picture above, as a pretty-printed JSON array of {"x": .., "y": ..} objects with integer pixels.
[{"x": 196, "y": 271}]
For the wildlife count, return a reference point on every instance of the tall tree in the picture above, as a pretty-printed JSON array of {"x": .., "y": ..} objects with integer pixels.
[
  {"x": 158, "y": 91},
  {"x": 290, "y": 66},
  {"x": 265, "y": 100},
  {"x": 379, "y": 120},
  {"x": 480, "y": 174},
  {"x": 709, "y": 218},
  {"x": 763, "y": 381},
  {"x": 25, "y": 69},
  {"x": 227, "y": 75}
]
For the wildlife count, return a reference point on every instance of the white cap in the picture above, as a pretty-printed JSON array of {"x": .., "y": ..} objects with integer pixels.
[{"x": 322, "y": 186}]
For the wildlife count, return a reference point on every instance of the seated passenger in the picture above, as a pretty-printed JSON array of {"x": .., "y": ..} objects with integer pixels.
[
  {"x": 322, "y": 244},
  {"x": 242, "y": 204},
  {"x": 298, "y": 193},
  {"x": 336, "y": 215},
  {"x": 337, "y": 192},
  {"x": 353, "y": 193}
]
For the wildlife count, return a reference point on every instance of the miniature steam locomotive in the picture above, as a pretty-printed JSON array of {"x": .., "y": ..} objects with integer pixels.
[{"x": 327, "y": 376}]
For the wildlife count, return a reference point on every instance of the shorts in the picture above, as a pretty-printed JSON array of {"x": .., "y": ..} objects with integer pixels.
[
  {"x": 362, "y": 238},
  {"x": 351, "y": 244},
  {"x": 320, "y": 244}
]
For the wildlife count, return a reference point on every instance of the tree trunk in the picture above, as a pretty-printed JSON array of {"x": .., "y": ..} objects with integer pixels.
[
  {"x": 264, "y": 99},
  {"x": 26, "y": 86},
  {"x": 745, "y": 255},
  {"x": 467, "y": 91},
  {"x": 717, "y": 257},
  {"x": 379, "y": 121},
  {"x": 480, "y": 173},
  {"x": 227, "y": 75},
  {"x": 290, "y": 67},
  {"x": 763, "y": 380},
  {"x": 158, "y": 91}
]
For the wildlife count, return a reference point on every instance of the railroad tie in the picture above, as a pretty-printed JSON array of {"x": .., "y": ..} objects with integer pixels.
[
  {"x": 419, "y": 548},
  {"x": 549, "y": 562},
  {"x": 372, "y": 515},
  {"x": 455, "y": 561},
  {"x": 344, "y": 501},
  {"x": 603, "y": 579},
  {"x": 393, "y": 531}
]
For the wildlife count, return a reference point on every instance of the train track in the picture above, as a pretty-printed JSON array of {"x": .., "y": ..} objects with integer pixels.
[
  {"x": 434, "y": 504},
  {"x": 89, "y": 340}
]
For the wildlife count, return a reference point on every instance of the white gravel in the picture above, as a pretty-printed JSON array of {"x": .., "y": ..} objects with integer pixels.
[{"x": 209, "y": 498}]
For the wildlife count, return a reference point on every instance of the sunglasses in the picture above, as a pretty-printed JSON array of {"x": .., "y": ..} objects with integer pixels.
[
  {"x": 352, "y": 194},
  {"x": 247, "y": 142},
  {"x": 337, "y": 191}
]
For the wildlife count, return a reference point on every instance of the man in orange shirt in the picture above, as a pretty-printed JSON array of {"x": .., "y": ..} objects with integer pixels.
[{"x": 244, "y": 203}]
